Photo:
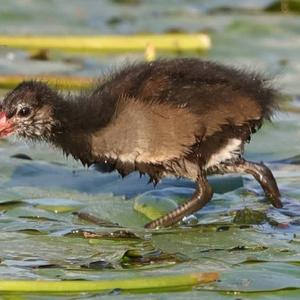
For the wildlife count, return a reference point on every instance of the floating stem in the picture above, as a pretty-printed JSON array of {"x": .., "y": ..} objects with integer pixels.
[
  {"x": 76, "y": 286},
  {"x": 111, "y": 43},
  {"x": 58, "y": 81}
]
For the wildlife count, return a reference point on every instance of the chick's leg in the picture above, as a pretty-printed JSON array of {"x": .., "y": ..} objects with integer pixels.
[
  {"x": 200, "y": 198},
  {"x": 259, "y": 171}
]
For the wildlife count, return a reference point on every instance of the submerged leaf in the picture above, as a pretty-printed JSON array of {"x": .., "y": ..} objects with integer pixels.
[
  {"x": 249, "y": 216},
  {"x": 154, "y": 207}
]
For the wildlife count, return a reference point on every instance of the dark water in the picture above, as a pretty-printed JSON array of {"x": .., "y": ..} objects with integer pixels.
[{"x": 254, "y": 246}]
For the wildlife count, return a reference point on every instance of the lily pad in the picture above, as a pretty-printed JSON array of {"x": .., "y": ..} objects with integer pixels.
[{"x": 55, "y": 205}]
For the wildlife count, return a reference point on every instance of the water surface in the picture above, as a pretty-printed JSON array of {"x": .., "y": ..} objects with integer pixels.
[{"x": 254, "y": 246}]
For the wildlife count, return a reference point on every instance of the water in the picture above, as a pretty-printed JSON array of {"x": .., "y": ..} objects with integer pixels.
[{"x": 41, "y": 238}]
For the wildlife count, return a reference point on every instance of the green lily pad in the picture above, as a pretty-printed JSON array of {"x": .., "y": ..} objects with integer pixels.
[{"x": 55, "y": 204}]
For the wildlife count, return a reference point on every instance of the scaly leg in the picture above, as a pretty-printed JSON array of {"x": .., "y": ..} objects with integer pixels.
[
  {"x": 202, "y": 195},
  {"x": 260, "y": 172}
]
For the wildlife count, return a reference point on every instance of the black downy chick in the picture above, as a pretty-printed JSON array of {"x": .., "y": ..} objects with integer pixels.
[{"x": 182, "y": 117}]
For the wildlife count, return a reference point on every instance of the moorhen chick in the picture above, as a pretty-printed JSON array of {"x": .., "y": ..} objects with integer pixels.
[{"x": 182, "y": 117}]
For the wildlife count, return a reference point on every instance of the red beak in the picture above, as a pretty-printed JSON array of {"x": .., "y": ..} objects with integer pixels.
[{"x": 5, "y": 126}]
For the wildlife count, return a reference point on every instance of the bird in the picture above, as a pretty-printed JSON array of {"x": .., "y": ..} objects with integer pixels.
[{"x": 182, "y": 117}]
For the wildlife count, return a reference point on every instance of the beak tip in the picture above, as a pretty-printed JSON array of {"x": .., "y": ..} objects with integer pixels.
[
  {"x": 3, "y": 118},
  {"x": 5, "y": 126}
]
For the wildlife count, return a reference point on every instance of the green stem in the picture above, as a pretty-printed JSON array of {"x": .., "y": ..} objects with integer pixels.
[
  {"x": 159, "y": 282},
  {"x": 58, "y": 81},
  {"x": 111, "y": 43}
]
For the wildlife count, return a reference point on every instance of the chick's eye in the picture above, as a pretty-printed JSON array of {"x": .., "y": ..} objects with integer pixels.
[{"x": 24, "y": 112}]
